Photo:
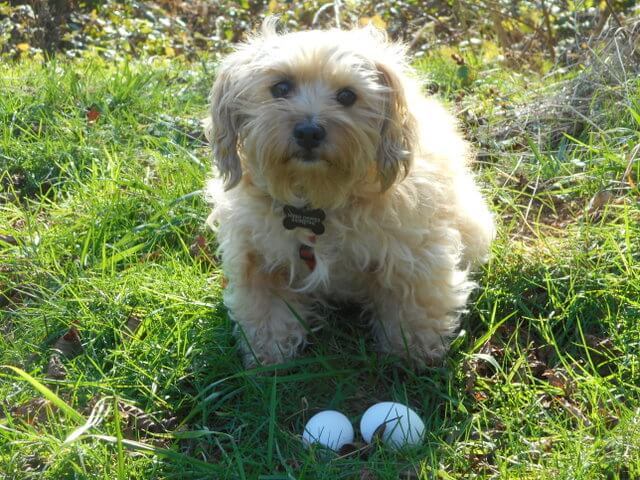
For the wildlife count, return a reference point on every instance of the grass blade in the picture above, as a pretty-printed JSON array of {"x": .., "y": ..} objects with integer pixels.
[
  {"x": 158, "y": 451},
  {"x": 272, "y": 421},
  {"x": 48, "y": 394},
  {"x": 119, "y": 447}
]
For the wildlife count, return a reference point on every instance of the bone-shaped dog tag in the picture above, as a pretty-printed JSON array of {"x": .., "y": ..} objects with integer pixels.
[{"x": 303, "y": 218}]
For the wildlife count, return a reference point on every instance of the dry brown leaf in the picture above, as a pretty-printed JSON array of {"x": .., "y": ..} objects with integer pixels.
[
  {"x": 348, "y": 449},
  {"x": 151, "y": 256},
  {"x": 480, "y": 396},
  {"x": 132, "y": 325},
  {"x": 535, "y": 365},
  {"x": 574, "y": 411},
  {"x": 559, "y": 379},
  {"x": 69, "y": 345},
  {"x": 458, "y": 59},
  {"x": 598, "y": 202},
  {"x": 55, "y": 368},
  {"x": 603, "y": 353},
  {"x": 539, "y": 446},
  {"x": 544, "y": 353},
  {"x": 200, "y": 249},
  {"x": 600, "y": 344},
  {"x": 8, "y": 239},
  {"x": 378, "y": 433},
  {"x": 93, "y": 114},
  {"x": 546, "y": 401},
  {"x": 470, "y": 380},
  {"x": 33, "y": 412},
  {"x": 138, "y": 422},
  {"x": 33, "y": 463}
]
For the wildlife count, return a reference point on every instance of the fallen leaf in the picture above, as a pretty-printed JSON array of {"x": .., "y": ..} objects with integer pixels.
[
  {"x": 293, "y": 463},
  {"x": 539, "y": 446},
  {"x": 7, "y": 297},
  {"x": 34, "y": 411},
  {"x": 458, "y": 59},
  {"x": 69, "y": 345},
  {"x": 544, "y": 353},
  {"x": 137, "y": 421},
  {"x": 33, "y": 463},
  {"x": 93, "y": 114},
  {"x": 55, "y": 368},
  {"x": 132, "y": 325},
  {"x": 535, "y": 365},
  {"x": 480, "y": 396},
  {"x": 152, "y": 256},
  {"x": 347, "y": 449},
  {"x": 559, "y": 379},
  {"x": 546, "y": 401},
  {"x": 574, "y": 411},
  {"x": 598, "y": 202},
  {"x": 8, "y": 239},
  {"x": 599, "y": 344},
  {"x": 199, "y": 249},
  {"x": 610, "y": 420}
]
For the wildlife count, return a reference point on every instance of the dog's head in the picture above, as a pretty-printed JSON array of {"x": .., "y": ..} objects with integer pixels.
[{"x": 313, "y": 116}]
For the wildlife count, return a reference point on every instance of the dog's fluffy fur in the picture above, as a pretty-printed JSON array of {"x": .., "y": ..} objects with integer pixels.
[{"x": 405, "y": 220}]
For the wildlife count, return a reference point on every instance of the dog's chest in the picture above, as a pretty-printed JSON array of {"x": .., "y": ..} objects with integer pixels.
[{"x": 339, "y": 261}]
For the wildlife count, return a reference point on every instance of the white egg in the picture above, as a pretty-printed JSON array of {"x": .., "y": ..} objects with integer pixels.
[
  {"x": 402, "y": 426},
  {"x": 328, "y": 428}
]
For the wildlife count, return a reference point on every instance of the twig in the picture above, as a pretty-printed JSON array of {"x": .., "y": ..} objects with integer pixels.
[
  {"x": 418, "y": 34},
  {"x": 615, "y": 16},
  {"x": 582, "y": 116},
  {"x": 550, "y": 39},
  {"x": 626, "y": 176},
  {"x": 433, "y": 22},
  {"x": 336, "y": 10},
  {"x": 320, "y": 11}
]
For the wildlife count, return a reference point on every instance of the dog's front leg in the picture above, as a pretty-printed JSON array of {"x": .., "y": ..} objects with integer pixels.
[
  {"x": 269, "y": 316},
  {"x": 417, "y": 310}
]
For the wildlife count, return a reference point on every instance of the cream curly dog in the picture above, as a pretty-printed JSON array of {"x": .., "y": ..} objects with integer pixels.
[{"x": 342, "y": 182}]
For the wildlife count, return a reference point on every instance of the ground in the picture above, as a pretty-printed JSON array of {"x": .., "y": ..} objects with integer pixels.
[{"x": 118, "y": 356}]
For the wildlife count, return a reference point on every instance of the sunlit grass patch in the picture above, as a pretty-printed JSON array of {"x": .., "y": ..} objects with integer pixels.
[{"x": 101, "y": 220}]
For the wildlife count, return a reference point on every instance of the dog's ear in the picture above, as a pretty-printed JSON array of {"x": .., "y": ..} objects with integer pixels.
[
  {"x": 398, "y": 134},
  {"x": 233, "y": 76},
  {"x": 222, "y": 130}
]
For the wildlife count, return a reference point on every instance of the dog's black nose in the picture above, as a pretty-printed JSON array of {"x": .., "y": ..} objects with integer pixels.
[{"x": 308, "y": 135}]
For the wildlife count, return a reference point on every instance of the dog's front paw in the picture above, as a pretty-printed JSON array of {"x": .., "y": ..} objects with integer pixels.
[
  {"x": 263, "y": 348},
  {"x": 423, "y": 342}
]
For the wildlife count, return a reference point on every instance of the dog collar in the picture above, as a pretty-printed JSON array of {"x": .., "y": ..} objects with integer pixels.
[{"x": 304, "y": 217}]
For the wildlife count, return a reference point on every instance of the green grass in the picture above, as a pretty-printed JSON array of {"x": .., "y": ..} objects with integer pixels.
[{"x": 544, "y": 382}]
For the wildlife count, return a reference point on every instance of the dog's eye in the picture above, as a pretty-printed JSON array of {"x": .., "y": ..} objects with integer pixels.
[
  {"x": 281, "y": 89},
  {"x": 346, "y": 97}
]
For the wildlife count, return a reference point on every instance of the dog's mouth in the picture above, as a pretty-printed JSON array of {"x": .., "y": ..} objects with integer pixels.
[{"x": 307, "y": 156}]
